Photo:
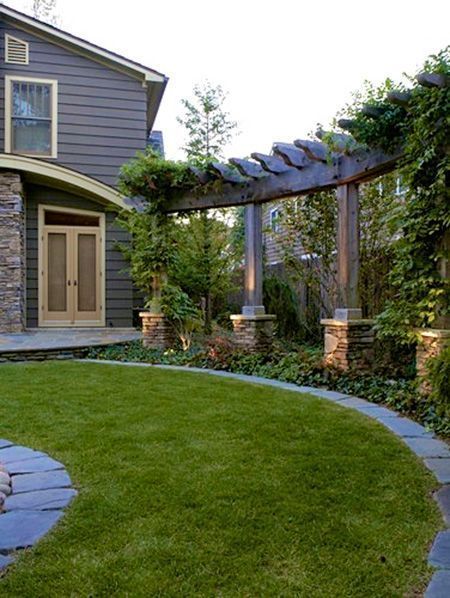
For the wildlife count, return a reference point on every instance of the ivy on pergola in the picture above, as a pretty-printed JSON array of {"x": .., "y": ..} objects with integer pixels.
[{"x": 333, "y": 160}]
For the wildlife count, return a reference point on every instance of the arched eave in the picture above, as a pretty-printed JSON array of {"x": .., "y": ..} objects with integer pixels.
[{"x": 38, "y": 171}]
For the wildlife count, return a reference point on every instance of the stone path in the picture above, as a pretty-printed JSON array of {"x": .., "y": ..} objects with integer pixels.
[
  {"x": 34, "y": 489},
  {"x": 434, "y": 453}
]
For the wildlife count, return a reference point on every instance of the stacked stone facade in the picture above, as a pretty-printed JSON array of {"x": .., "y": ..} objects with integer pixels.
[
  {"x": 157, "y": 331},
  {"x": 431, "y": 344},
  {"x": 349, "y": 343},
  {"x": 253, "y": 333},
  {"x": 12, "y": 254}
]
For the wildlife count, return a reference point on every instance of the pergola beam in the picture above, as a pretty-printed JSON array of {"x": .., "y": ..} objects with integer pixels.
[
  {"x": 271, "y": 163},
  {"x": 228, "y": 173},
  {"x": 249, "y": 169},
  {"x": 433, "y": 80},
  {"x": 399, "y": 98},
  {"x": 293, "y": 156},
  {"x": 315, "y": 150},
  {"x": 317, "y": 176}
]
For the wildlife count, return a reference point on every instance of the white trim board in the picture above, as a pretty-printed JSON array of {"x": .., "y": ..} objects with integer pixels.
[
  {"x": 82, "y": 46},
  {"x": 64, "y": 178}
]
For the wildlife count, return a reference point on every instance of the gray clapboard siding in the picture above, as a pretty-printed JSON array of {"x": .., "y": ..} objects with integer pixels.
[
  {"x": 101, "y": 111},
  {"x": 119, "y": 291}
]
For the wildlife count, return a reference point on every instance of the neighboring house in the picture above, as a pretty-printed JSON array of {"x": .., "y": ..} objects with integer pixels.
[
  {"x": 272, "y": 228},
  {"x": 71, "y": 113}
]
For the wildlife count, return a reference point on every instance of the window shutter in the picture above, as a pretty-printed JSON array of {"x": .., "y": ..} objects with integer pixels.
[{"x": 16, "y": 50}]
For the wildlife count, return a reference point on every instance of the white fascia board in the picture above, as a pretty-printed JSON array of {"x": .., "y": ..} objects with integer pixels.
[{"x": 33, "y": 26}]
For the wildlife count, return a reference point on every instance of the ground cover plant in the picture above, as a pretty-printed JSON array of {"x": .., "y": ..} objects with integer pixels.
[{"x": 192, "y": 485}]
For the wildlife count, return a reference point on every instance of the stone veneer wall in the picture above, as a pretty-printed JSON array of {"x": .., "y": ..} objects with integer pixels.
[
  {"x": 12, "y": 254},
  {"x": 349, "y": 343},
  {"x": 253, "y": 333},
  {"x": 431, "y": 344},
  {"x": 157, "y": 332}
]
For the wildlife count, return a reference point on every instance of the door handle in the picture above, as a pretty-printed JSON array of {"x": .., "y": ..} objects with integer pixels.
[
  {"x": 74, "y": 283},
  {"x": 68, "y": 283}
]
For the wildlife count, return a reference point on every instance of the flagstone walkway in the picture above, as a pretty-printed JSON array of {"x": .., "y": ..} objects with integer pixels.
[{"x": 42, "y": 343}]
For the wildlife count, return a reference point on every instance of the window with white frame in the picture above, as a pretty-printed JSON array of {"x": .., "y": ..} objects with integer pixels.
[
  {"x": 275, "y": 220},
  {"x": 31, "y": 116}
]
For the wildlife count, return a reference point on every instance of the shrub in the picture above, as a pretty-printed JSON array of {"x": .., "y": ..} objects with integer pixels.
[{"x": 439, "y": 379}]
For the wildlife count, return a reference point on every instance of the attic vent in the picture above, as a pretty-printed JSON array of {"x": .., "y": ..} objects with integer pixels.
[{"x": 16, "y": 50}]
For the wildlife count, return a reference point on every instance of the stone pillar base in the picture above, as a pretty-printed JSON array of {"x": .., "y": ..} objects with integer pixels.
[
  {"x": 157, "y": 331},
  {"x": 253, "y": 333},
  {"x": 431, "y": 344},
  {"x": 349, "y": 343}
]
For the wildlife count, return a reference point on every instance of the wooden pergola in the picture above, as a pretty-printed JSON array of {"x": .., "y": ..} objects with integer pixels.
[{"x": 331, "y": 161}]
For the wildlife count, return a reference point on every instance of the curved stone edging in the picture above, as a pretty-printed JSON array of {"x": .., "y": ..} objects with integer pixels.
[
  {"x": 434, "y": 453},
  {"x": 40, "y": 489}
]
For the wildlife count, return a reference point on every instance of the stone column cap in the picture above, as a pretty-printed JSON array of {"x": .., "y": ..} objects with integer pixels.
[
  {"x": 346, "y": 323},
  {"x": 253, "y": 318},
  {"x": 434, "y": 332}
]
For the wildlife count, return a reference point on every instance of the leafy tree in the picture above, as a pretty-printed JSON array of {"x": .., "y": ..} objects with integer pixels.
[
  {"x": 204, "y": 259},
  {"x": 46, "y": 10},
  {"x": 208, "y": 126}
]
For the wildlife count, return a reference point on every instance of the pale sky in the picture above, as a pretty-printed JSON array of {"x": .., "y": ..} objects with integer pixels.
[{"x": 287, "y": 65}]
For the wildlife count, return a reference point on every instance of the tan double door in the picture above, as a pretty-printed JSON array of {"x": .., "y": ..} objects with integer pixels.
[{"x": 71, "y": 276}]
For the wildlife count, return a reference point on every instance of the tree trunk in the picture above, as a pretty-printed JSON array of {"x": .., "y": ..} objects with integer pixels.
[{"x": 207, "y": 327}]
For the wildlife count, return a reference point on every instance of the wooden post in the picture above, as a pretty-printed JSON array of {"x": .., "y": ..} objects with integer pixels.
[
  {"x": 253, "y": 261},
  {"x": 253, "y": 328},
  {"x": 348, "y": 338},
  {"x": 348, "y": 307}
]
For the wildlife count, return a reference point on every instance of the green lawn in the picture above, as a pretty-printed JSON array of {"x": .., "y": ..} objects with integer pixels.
[{"x": 191, "y": 485}]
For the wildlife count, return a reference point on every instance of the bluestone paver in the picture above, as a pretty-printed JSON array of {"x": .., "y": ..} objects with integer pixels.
[
  {"x": 440, "y": 551},
  {"x": 442, "y": 497},
  {"x": 440, "y": 468},
  {"x": 18, "y": 453},
  {"x": 405, "y": 427},
  {"x": 21, "y": 529},
  {"x": 377, "y": 412},
  {"x": 41, "y": 500},
  {"x": 5, "y": 561},
  {"x": 34, "y": 465},
  {"x": 30, "y": 482},
  {"x": 355, "y": 403},
  {"x": 428, "y": 447},
  {"x": 440, "y": 585}
]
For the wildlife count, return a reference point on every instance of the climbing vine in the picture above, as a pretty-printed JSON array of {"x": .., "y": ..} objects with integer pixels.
[
  {"x": 150, "y": 181},
  {"x": 422, "y": 129}
]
